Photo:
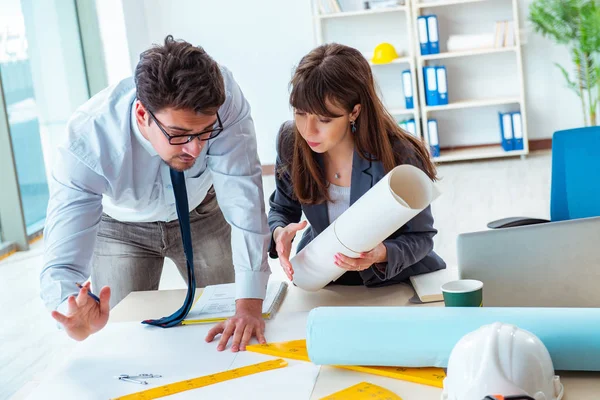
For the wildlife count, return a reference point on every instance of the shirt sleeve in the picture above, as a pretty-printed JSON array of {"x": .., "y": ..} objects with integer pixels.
[
  {"x": 74, "y": 212},
  {"x": 237, "y": 178}
]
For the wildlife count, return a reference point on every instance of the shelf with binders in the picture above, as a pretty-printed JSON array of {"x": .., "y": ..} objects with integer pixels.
[
  {"x": 407, "y": 118},
  {"x": 494, "y": 131},
  {"x": 453, "y": 84},
  {"x": 382, "y": 74},
  {"x": 464, "y": 96},
  {"x": 396, "y": 86},
  {"x": 408, "y": 115},
  {"x": 409, "y": 125},
  {"x": 454, "y": 33},
  {"x": 464, "y": 45}
]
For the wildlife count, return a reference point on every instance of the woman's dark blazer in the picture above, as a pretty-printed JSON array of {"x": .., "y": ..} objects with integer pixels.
[{"x": 409, "y": 249}]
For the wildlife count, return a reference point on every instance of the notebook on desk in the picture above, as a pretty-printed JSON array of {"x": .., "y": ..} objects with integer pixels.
[
  {"x": 217, "y": 303},
  {"x": 428, "y": 286}
]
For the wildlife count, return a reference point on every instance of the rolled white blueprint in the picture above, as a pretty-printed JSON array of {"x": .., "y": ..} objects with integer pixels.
[
  {"x": 397, "y": 198},
  {"x": 314, "y": 267}
]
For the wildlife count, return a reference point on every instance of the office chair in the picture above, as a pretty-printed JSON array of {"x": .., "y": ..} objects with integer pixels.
[{"x": 575, "y": 187}]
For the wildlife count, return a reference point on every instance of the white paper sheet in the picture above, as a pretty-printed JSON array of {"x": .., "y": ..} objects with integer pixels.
[
  {"x": 132, "y": 348},
  {"x": 218, "y": 301},
  {"x": 175, "y": 353},
  {"x": 392, "y": 202}
]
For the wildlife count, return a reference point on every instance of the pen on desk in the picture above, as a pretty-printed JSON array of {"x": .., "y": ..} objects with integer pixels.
[{"x": 92, "y": 295}]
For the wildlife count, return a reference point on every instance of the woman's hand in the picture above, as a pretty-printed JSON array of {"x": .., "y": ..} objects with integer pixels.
[
  {"x": 364, "y": 261},
  {"x": 283, "y": 244}
]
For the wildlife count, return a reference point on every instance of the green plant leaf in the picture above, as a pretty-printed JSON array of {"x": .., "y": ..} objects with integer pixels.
[
  {"x": 570, "y": 84},
  {"x": 557, "y": 19}
]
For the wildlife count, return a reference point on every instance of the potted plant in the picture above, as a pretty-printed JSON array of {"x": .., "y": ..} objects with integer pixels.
[{"x": 575, "y": 24}]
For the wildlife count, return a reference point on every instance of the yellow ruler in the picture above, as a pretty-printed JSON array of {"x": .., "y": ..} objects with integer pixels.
[
  {"x": 296, "y": 349},
  {"x": 363, "y": 391},
  {"x": 195, "y": 383}
]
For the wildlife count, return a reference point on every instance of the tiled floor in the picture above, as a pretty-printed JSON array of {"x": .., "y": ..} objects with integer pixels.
[{"x": 474, "y": 193}]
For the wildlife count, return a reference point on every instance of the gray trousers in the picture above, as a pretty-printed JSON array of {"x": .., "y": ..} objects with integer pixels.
[{"x": 130, "y": 256}]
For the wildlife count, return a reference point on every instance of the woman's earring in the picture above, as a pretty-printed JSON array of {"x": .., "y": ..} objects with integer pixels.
[{"x": 353, "y": 126}]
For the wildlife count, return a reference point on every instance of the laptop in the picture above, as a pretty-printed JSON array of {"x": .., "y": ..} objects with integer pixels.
[{"x": 555, "y": 264}]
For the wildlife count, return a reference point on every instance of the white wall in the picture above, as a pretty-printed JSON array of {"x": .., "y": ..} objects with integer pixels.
[
  {"x": 113, "y": 33},
  {"x": 261, "y": 42},
  {"x": 551, "y": 105}
]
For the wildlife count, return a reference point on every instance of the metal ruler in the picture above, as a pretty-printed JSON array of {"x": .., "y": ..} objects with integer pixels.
[{"x": 195, "y": 383}]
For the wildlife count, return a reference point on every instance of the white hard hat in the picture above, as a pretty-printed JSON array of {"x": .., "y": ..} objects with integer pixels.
[{"x": 500, "y": 359}]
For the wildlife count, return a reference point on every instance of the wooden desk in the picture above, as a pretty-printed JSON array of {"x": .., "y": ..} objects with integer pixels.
[{"x": 155, "y": 304}]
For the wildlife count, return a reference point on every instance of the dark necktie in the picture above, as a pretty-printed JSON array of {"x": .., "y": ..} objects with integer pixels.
[{"x": 183, "y": 214}]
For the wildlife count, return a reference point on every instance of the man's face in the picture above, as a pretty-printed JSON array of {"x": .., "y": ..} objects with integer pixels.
[{"x": 175, "y": 123}]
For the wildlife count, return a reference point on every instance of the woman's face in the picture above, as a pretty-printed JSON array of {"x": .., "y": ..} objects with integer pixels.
[{"x": 324, "y": 133}]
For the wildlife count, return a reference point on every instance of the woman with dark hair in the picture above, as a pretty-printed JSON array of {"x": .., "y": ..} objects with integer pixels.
[{"x": 341, "y": 143}]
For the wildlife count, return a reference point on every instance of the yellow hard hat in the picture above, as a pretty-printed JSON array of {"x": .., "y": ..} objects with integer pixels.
[{"x": 384, "y": 53}]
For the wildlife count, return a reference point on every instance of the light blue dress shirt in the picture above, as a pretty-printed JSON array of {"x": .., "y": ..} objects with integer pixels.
[{"x": 104, "y": 164}]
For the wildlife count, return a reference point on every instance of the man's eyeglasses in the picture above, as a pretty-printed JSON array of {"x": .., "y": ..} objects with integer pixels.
[{"x": 183, "y": 139}]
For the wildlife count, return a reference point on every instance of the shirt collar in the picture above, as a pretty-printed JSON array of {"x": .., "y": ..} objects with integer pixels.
[{"x": 138, "y": 134}]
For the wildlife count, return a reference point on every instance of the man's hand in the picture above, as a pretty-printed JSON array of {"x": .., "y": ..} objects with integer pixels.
[
  {"x": 246, "y": 323},
  {"x": 85, "y": 316},
  {"x": 283, "y": 244},
  {"x": 364, "y": 261}
]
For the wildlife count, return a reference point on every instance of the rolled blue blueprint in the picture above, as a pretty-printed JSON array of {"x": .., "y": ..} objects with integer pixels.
[{"x": 425, "y": 336}]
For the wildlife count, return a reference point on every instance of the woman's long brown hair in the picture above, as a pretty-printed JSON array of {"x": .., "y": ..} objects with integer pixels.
[{"x": 343, "y": 76}]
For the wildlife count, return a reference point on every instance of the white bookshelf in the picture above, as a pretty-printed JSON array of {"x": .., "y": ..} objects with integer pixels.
[
  {"x": 476, "y": 151},
  {"x": 467, "y": 53},
  {"x": 344, "y": 14},
  {"x": 467, "y": 147},
  {"x": 458, "y": 105},
  {"x": 404, "y": 111},
  {"x": 400, "y": 60},
  {"x": 443, "y": 3},
  {"x": 407, "y": 60}
]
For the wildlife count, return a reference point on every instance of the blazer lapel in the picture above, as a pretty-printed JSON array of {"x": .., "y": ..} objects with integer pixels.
[{"x": 362, "y": 178}]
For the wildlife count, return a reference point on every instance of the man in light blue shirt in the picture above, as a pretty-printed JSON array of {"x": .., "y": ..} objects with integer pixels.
[{"x": 112, "y": 211}]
